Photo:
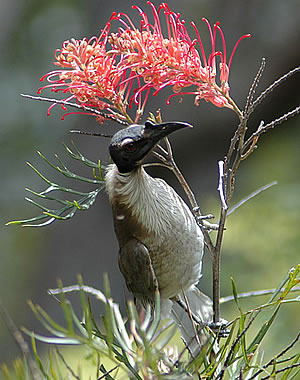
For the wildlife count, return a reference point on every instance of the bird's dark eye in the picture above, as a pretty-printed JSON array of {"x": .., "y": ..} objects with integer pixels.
[
  {"x": 130, "y": 147},
  {"x": 128, "y": 144}
]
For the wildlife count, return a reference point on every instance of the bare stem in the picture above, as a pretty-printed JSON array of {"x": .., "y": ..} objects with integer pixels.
[
  {"x": 250, "y": 196},
  {"x": 66, "y": 364},
  {"x": 232, "y": 348},
  {"x": 221, "y": 185},
  {"x": 283, "y": 352},
  {"x": 252, "y": 140},
  {"x": 255, "y": 293},
  {"x": 296, "y": 365},
  {"x": 121, "y": 119},
  {"x": 254, "y": 86},
  {"x": 269, "y": 89},
  {"x": 217, "y": 264},
  {"x": 278, "y": 121},
  {"x": 217, "y": 247}
]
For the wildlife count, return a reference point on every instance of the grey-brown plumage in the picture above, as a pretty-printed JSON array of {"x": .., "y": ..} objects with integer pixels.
[{"x": 161, "y": 245}]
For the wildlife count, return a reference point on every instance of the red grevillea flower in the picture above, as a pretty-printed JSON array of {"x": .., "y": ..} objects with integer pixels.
[{"x": 118, "y": 70}]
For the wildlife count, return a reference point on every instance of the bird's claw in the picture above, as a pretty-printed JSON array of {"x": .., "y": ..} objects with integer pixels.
[
  {"x": 203, "y": 220},
  {"x": 209, "y": 226},
  {"x": 205, "y": 217},
  {"x": 220, "y": 328}
]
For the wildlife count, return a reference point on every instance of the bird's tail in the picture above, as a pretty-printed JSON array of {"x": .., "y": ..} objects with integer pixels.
[{"x": 190, "y": 306}]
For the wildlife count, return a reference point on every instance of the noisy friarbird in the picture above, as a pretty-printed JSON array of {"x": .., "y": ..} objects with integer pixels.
[{"x": 161, "y": 244}]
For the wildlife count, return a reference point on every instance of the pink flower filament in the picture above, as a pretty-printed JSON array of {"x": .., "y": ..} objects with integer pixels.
[{"x": 117, "y": 71}]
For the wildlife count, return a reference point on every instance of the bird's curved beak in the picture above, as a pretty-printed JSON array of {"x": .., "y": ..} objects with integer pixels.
[{"x": 156, "y": 132}]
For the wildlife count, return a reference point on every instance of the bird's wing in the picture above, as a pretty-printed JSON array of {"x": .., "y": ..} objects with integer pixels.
[{"x": 136, "y": 267}]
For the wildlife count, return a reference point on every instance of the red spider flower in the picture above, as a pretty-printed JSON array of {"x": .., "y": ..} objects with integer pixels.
[
  {"x": 173, "y": 60},
  {"x": 88, "y": 74},
  {"x": 115, "y": 70}
]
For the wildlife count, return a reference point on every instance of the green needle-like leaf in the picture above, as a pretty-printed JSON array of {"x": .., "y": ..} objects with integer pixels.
[
  {"x": 262, "y": 332},
  {"x": 37, "y": 358},
  {"x": 78, "y": 156},
  {"x": 70, "y": 207}
]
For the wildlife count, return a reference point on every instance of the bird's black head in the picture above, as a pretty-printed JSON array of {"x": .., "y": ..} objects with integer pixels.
[{"x": 131, "y": 145}]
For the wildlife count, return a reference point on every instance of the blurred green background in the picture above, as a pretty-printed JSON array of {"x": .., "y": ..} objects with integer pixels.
[{"x": 262, "y": 240}]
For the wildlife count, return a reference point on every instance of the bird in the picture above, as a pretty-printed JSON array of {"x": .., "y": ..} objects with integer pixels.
[{"x": 160, "y": 242}]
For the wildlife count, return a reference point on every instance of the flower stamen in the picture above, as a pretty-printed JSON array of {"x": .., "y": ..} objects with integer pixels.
[{"x": 119, "y": 70}]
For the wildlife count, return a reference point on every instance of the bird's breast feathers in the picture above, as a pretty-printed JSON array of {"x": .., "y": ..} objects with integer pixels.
[
  {"x": 149, "y": 210},
  {"x": 151, "y": 202}
]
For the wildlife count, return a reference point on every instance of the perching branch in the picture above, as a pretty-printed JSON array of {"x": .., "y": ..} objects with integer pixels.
[
  {"x": 216, "y": 257},
  {"x": 233, "y": 345},
  {"x": 240, "y": 149},
  {"x": 221, "y": 185}
]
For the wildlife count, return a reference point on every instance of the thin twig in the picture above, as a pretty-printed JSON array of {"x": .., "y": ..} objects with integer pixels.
[
  {"x": 156, "y": 164},
  {"x": 255, "y": 293},
  {"x": 221, "y": 185},
  {"x": 163, "y": 159},
  {"x": 251, "y": 149},
  {"x": 254, "y": 85},
  {"x": 231, "y": 148},
  {"x": 265, "y": 127},
  {"x": 230, "y": 173},
  {"x": 171, "y": 164},
  {"x": 217, "y": 248},
  {"x": 75, "y": 131},
  {"x": 282, "y": 370},
  {"x": 216, "y": 261},
  {"x": 252, "y": 140},
  {"x": 250, "y": 196},
  {"x": 162, "y": 149},
  {"x": 21, "y": 343},
  {"x": 269, "y": 89},
  {"x": 66, "y": 364},
  {"x": 261, "y": 307},
  {"x": 236, "y": 143},
  {"x": 190, "y": 314},
  {"x": 108, "y": 372},
  {"x": 193, "y": 316},
  {"x": 232, "y": 348},
  {"x": 283, "y": 352},
  {"x": 78, "y": 106},
  {"x": 275, "y": 122},
  {"x": 169, "y": 159}
]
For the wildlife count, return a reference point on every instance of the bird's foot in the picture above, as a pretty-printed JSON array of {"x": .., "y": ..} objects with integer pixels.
[
  {"x": 209, "y": 226},
  {"x": 202, "y": 217},
  {"x": 220, "y": 328},
  {"x": 203, "y": 220}
]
